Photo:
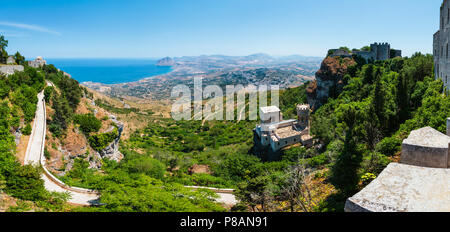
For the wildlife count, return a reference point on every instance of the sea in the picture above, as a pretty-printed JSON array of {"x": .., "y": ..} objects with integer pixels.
[{"x": 109, "y": 71}]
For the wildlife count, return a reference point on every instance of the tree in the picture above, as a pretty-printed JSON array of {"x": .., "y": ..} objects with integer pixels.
[
  {"x": 295, "y": 190},
  {"x": 3, "y": 42},
  {"x": 19, "y": 58},
  {"x": 3, "y": 45},
  {"x": 88, "y": 123}
]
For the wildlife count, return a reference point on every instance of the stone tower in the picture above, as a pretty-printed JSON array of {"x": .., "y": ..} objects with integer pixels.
[
  {"x": 303, "y": 111},
  {"x": 440, "y": 46},
  {"x": 381, "y": 51}
]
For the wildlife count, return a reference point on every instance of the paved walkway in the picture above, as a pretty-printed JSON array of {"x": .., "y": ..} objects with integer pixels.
[{"x": 34, "y": 156}]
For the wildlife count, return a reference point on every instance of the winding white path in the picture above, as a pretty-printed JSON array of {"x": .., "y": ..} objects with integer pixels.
[
  {"x": 35, "y": 156},
  {"x": 85, "y": 197}
]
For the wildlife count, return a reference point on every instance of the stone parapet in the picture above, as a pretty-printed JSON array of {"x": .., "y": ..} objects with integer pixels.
[
  {"x": 404, "y": 188},
  {"x": 426, "y": 147}
]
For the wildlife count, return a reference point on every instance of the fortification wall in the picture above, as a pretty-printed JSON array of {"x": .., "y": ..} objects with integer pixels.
[
  {"x": 426, "y": 147},
  {"x": 10, "y": 69}
]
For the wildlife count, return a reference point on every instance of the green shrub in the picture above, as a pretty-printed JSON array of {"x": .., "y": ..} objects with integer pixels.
[
  {"x": 48, "y": 91},
  {"x": 88, "y": 123},
  {"x": 101, "y": 141},
  {"x": 146, "y": 165},
  {"x": 389, "y": 146},
  {"x": 46, "y": 154},
  {"x": 27, "y": 130},
  {"x": 318, "y": 161}
]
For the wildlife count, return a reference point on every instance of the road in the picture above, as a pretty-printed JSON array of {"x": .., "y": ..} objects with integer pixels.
[
  {"x": 35, "y": 156},
  {"x": 84, "y": 197}
]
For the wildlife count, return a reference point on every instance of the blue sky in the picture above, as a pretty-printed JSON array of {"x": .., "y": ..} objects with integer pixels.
[{"x": 159, "y": 28}]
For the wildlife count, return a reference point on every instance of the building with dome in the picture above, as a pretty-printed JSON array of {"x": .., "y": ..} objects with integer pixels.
[{"x": 39, "y": 62}]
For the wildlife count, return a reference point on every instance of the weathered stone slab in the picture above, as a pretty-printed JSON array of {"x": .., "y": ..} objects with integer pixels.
[
  {"x": 426, "y": 147},
  {"x": 404, "y": 188}
]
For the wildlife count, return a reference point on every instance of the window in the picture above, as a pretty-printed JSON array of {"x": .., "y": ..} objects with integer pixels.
[{"x": 446, "y": 51}]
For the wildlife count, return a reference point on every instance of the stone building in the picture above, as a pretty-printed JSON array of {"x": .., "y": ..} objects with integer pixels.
[
  {"x": 440, "y": 45},
  {"x": 276, "y": 133},
  {"x": 378, "y": 51},
  {"x": 10, "y": 60},
  {"x": 419, "y": 183},
  {"x": 37, "y": 63}
]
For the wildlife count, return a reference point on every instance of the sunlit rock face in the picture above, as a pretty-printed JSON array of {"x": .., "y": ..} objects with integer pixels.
[{"x": 329, "y": 80}]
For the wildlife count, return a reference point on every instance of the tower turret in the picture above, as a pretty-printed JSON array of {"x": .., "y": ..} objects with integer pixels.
[{"x": 303, "y": 111}]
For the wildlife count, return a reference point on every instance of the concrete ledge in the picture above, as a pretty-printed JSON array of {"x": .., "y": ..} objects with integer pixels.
[
  {"x": 404, "y": 188},
  {"x": 426, "y": 147},
  {"x": 431, "y": 157}
]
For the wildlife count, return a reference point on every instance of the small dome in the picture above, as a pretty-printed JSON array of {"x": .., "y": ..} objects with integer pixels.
[{"x": 39, "y": 58}]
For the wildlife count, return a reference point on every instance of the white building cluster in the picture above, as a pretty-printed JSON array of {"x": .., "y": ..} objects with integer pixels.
[{"x": 276, "y": 133}]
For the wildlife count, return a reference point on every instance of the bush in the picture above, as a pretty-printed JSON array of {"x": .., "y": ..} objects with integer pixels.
[
  {"x": 27, "y": 130},
  {"x": 25, "y": 183},
  {"x": 88, "y": 123},
  {"x": 101, "y": 141},
  {"x": 318, "y": 161},
  {"x": 146, "y": 165},
  {"x": 389, "y": 146},
  {"x": 48, "y": 91},
  {"x": 46, "y": 154}
]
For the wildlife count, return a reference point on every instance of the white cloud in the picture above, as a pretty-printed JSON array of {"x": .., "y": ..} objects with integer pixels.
[{"x": 29, "y": 27}]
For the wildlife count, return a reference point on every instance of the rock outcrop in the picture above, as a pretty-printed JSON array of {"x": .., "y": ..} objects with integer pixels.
[
  {"x": 112, "y": 152},
  {"x": 166, "y": 62},
  {"x": 329, "y": 80},
  {"x": 199, "y": 169}
]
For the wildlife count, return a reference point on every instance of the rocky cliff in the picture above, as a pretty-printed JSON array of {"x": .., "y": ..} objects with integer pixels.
[
  {"x": 112, "y": 152},
  {"x": 166, "y": 62},
  {"x": 329, "y": 80}
]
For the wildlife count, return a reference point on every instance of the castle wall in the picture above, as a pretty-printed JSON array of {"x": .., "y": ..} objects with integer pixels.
[
  {"x": 10, "y": 69},
  {"x": 441, "y": 45}
]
